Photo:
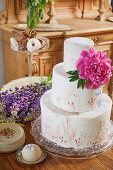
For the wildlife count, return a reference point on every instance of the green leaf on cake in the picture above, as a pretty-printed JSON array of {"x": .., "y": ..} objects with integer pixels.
[
  {"x": 81, "y": 83},
  {"x": 75, "y": 76},
  {"x": 72, "y": 78},
  {"x": 75, "y": 72}
]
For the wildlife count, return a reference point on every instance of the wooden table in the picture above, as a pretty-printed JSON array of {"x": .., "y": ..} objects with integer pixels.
[{"x": 102, "y": 162}]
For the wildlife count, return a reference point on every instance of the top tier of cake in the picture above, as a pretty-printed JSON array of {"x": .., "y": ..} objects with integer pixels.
[{"x": 72, "y": 50}]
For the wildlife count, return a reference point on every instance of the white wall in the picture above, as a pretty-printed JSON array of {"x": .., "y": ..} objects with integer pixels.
[{"x": 1, "y": 54}]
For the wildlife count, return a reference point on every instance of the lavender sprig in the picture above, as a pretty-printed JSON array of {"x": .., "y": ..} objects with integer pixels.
[{"x": 23, "y": 105}]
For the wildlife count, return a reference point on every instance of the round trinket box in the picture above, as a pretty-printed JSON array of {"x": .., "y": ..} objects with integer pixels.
[{"x": 12, "y": 137}]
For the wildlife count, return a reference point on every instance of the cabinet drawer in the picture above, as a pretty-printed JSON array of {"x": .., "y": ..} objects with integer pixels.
[{"x": 101, "y": 38}]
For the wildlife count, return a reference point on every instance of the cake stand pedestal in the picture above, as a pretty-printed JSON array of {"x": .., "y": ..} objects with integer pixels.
[{"x": 70, "y": 153}]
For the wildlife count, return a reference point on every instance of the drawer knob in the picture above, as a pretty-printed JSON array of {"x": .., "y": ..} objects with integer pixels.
[{"x": 96, "y": 40}]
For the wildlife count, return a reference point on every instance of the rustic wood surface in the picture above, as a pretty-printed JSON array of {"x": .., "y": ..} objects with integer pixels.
[{"x": 102, "y": 162}]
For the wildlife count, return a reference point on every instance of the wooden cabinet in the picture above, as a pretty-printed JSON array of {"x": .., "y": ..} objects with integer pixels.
[
  {"x": 44, "y": 63},
  {"x": 15, "y": 10},
  {"x": 48, "y": 61}
]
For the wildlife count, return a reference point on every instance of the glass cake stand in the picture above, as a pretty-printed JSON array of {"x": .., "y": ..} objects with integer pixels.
[
  {"x": 31, "y": 54},
  {"x": 69, "y": 153}
]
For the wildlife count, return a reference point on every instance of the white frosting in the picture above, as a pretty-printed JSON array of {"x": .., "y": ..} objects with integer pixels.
[
  {"x": 31, "y": 152},
  {"x": 33, "y": 45},
  {"x": 66, "y": 95},
  {"x": 72, "y": 49},
  {"x": 75, "y": 130}
]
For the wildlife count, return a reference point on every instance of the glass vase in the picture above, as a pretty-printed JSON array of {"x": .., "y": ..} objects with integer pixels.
[{"x": 32, "y": 18}]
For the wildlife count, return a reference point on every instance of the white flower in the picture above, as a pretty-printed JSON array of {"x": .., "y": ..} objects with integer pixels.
[{"x": 33, "y": 45}]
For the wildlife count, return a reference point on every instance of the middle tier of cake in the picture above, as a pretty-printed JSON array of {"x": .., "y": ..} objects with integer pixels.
[{"x": 66, "y": 95}]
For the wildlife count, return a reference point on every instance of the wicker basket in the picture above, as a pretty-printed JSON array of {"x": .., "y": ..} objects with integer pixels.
[{"x": 20, "y": 82}]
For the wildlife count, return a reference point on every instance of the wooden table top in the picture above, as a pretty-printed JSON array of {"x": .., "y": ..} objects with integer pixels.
[
  {"x": 102, "y": 162},
  {"x": 83, "y": 27}
]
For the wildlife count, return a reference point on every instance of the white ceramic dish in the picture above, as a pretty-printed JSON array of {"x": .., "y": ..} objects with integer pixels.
[
  {"x": 110, "y": 19},
  {"x": 21, "y": 160},
  {"x": 46, "y": 27}
]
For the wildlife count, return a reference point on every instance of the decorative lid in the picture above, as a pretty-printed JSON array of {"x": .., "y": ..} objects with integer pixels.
[{"x": 12, "y": 137}]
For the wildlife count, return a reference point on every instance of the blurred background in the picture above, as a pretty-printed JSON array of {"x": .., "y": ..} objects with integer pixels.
[{"x": 1, "y": 55}]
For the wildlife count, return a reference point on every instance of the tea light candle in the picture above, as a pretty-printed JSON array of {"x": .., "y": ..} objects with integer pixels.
[{"x": 31, "y": 153}]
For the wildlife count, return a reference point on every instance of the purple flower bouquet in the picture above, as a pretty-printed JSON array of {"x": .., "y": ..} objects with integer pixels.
[{"x": 22, "y": 105}]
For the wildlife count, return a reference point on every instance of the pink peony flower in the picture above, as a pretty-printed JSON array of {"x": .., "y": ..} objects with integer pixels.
[{"x": 95, "y": 67}]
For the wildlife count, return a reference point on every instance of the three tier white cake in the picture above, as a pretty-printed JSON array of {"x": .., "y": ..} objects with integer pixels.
[{"x": 71, "y": 116}]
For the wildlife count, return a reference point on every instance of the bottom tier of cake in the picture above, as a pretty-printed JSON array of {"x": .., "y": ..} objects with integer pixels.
[{"x": 79, "y": 130}]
